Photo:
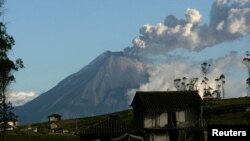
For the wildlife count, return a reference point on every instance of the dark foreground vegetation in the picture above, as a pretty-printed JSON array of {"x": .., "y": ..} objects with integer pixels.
[
  {"x": 41, "y": 137},
  {"x": 227, "y": 111}
]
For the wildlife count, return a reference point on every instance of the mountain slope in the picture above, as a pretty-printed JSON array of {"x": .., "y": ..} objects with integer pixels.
[{"x": 98, "y": 88}]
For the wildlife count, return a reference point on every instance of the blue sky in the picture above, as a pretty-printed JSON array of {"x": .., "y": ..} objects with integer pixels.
[{"x": 56, "y": 38}]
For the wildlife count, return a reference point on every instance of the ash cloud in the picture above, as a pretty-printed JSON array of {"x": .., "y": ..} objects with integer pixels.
[
  {"x": 162, "y": 75},
  {"x": 229, "y": 21}
]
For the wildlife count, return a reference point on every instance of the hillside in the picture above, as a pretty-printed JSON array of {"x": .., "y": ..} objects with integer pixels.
[
  {"x": 74, "y": 125},
  {"x": 226, "y": 111}
]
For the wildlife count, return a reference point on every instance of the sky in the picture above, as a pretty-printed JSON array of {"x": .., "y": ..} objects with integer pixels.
[{"x": 56, "y": 38}]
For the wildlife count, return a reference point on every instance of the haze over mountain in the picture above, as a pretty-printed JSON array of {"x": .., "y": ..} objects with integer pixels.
[{"x": 98, "y": 88}]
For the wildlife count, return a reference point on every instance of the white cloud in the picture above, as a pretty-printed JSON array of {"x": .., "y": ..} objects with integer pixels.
[
  {"x": 193, "y": 16},
  {"x": 20, "y": 98}
]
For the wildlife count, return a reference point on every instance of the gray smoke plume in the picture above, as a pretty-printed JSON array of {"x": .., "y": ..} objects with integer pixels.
[
  {"x": 229, "y": 20},
  {"x": 162, "y": 75}
]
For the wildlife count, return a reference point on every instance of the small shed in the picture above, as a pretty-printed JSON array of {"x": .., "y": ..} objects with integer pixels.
[
  {"x": 53, "y": 124},
  {"x": 107, "y": 129}
]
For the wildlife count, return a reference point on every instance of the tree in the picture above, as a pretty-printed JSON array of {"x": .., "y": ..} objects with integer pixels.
[
  {"x": 205, "y": 67},
  {"x": 183, "y": 85},
  {"x": 246, "y": 62},
  {"x": 220, "y": 90},
  {"x": 192, "y": 85},
  {"x": 220, "y": 83},
  {"x": 180, "y": 84},
  {"x": 7, "y": 68}
]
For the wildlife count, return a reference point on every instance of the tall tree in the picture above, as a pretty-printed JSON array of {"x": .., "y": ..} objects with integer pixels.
[
  {"x": 184, "y": 85},
  {"x": 219, "y": 91},
  {"x": 7, "y": 68},
  {"x": 180, "y": 84},
  {"x": 205, "y": 67},
  {"x": 246, "y": 61}
]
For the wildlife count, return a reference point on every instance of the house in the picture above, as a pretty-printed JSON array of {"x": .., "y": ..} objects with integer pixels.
[
  {"x": 169, "y": 115},
  {"x": 11, "y": 123},
  {"x": 55, "y": 128},
  {"x": 110, "y": 128},
  {"x": 54, "y": 117},
  {"x": 53, "y": 125}
]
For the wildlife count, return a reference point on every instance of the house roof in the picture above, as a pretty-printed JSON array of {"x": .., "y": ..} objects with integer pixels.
[
  {"x": 55, "y": 115},
  {"x": 159, "y": 101},
  {"x": 110, "y": 125}
]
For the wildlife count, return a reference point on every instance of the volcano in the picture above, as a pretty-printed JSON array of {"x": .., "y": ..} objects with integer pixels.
[{"x": 98, "y": 88}]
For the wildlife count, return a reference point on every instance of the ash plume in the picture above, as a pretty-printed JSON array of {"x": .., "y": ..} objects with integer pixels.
[
  {"x": 229, "y": 21},
  {"x": 162, "y": 75}
]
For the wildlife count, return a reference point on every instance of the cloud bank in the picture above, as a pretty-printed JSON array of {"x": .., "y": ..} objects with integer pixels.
[
  {"x": 20, "y": 98},
  {"x": 229, "y": 21}
]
